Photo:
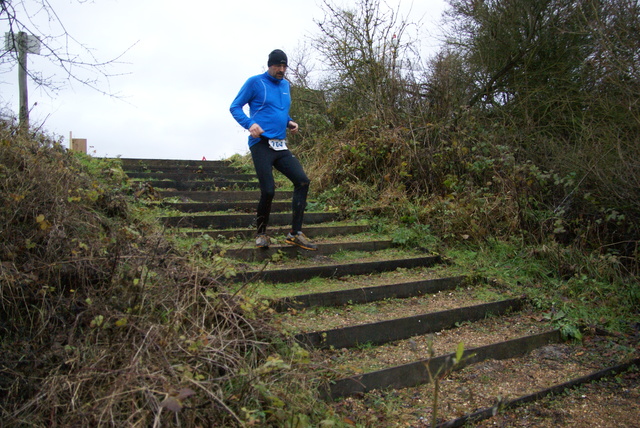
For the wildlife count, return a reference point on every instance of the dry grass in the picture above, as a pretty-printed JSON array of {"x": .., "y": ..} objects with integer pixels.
[{"x": 102, "y": 320}]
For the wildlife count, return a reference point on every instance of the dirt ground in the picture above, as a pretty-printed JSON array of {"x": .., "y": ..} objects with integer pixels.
[{"x": 610, "y": 403}]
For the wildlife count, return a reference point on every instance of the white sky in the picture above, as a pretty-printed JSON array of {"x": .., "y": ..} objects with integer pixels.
[{"x": 188, "y": 61}]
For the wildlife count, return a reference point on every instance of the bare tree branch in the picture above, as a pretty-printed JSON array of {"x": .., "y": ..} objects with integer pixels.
[{"x": 75, "y": 61}]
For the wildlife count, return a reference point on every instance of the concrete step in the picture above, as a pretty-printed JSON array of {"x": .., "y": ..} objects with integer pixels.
[
  {"x": 420, "y": 371},
  {"x": 221, "y": 195},
  {"x": 210, "y": 185},
  {"x": 208, "y": 181},
  {"x": 310, "y": 231},
  {"x": 227, "y": 221},
  {"x": 240, "y": 206},
  {"x": 136, "y": 164},
  {"x": 335, "y": 270},
  {"x": 191, "y": 176},
  {"x": 180, "y": 169},
  {"x": 404, "y": 328},
  {"x": 293, "y": 252},
  {"x": 368, "y": 294}
]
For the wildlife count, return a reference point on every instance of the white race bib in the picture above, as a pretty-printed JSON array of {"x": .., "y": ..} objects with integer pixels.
[{"x": 278, "y": 144}]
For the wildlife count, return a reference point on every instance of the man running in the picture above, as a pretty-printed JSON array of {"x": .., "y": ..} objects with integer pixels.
[{"x": 268, "y": 96}]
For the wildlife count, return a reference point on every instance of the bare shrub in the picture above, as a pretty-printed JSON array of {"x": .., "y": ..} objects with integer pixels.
[{"x": 102, "y": 320}]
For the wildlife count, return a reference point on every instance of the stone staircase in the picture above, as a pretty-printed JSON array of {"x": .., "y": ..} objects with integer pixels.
[{"x": 386, "y": 323}]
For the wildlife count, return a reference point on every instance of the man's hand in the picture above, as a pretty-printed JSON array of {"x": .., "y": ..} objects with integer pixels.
[
  {"x": 293, "y": 127},
  {"x": 256, "y": 130}
]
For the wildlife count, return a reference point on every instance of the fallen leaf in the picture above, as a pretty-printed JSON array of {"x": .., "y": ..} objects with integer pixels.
[
  {"x": 171, "y": 403},
  {"x": 348, "y": 421},
  {"x": 185, "y": 393}
]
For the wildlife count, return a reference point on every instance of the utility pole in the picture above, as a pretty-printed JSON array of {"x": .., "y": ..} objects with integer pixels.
[
  {"x": 23, "y": 44},
  {"x": 22, "y": 83}
]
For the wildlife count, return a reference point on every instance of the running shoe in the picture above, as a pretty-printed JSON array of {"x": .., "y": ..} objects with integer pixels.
[{"x": 301, "y": 241}]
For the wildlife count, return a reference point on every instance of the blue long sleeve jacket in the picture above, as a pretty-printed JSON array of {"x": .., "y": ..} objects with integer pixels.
[{"x": 269, "y": 101}]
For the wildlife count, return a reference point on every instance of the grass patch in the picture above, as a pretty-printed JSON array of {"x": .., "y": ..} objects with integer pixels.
[
  {"x": 341, "y": 257},
  {"x": 575, "y": 289},
  {"x": 322, "y": 285}
]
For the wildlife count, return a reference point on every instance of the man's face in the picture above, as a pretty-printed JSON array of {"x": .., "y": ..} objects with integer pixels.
[{"x": 277, "y": 70}]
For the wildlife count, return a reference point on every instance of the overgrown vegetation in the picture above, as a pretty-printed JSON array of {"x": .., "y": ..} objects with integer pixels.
[
  {"x": 104, "y": 321},
  {"x": 521, "y": 132},
  {"x": 513, "y": 151}
]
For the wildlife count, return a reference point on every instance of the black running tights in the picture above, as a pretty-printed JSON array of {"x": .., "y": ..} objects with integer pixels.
[{"x": 264, "y": 160}]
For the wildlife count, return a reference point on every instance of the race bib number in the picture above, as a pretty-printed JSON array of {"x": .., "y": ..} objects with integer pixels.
[{"x": 278, "y": 144}]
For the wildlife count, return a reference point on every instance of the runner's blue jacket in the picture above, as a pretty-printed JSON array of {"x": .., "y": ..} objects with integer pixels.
[{"x": 269, "y": 100}]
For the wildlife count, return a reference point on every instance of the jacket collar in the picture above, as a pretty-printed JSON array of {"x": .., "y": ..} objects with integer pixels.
[{"x": 273, "y": 79}]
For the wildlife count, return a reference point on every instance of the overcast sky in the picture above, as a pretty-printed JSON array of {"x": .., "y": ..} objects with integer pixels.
[{"x": 186, "y": 62}]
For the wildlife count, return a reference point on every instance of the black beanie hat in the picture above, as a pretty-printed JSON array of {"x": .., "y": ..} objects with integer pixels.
[{"x": 277, "y": 57}]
